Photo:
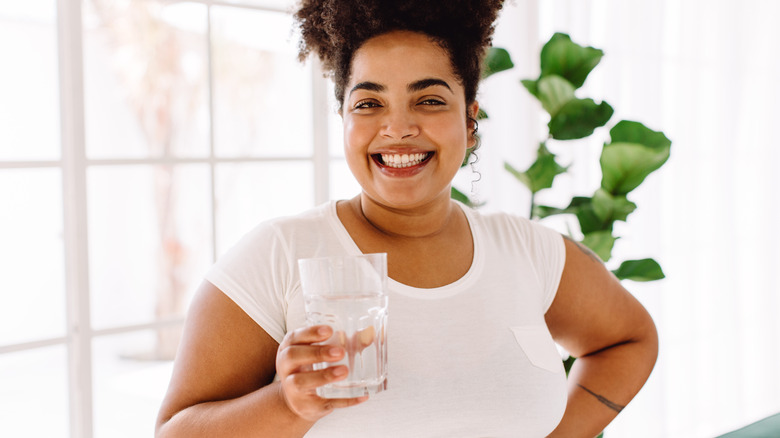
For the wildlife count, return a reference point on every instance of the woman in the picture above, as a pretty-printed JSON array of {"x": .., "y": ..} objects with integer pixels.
[{"x": 475, "y": 300}]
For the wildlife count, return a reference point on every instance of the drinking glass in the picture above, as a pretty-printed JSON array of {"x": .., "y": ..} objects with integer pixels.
[{"x": 348, "y": 293}]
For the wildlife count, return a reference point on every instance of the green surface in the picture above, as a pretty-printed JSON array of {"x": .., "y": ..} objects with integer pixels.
[{"x": 766, "y": 428}]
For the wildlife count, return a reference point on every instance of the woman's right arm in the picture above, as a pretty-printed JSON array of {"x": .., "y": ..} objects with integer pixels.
[{"x": 222, "y": 382}]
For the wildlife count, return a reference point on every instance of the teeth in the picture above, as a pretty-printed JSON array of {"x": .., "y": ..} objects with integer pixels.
[{"x": 400, "y": 161}]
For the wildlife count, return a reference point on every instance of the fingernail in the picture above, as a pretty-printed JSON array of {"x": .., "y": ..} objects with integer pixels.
[
  {"x": 324, "y": 330},
  {"x": 339, "y": 371},
  {"x": 334, "y": 351}
]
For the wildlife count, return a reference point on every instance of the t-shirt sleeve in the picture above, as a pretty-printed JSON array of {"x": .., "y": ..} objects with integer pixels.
[
  {"x": 548, "y": 254},
  {"x": 256, "y": 275}
]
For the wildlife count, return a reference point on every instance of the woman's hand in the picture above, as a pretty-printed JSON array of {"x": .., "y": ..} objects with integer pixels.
[{"x": 294, "y": 364}]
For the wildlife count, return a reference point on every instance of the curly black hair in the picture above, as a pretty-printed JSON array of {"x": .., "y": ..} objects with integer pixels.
[{"x": 335, "y": 29}]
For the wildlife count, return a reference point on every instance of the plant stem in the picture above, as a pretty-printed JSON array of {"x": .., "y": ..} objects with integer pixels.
[{"x": 533, "y": 206}]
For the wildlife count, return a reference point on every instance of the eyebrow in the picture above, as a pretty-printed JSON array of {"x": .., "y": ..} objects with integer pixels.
[
  {"x": 413, "y": 87},
  {"x": 425, "y": 83},
  {"x": 369, "y": 86}
]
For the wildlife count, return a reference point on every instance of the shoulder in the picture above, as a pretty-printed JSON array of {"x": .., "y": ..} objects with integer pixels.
[
  {"x": 592, "y": 310},
  {"x": 275, "y": 242}
]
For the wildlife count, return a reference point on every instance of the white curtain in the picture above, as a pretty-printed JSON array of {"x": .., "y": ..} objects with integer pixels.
[{"x": 707, "y": 74}]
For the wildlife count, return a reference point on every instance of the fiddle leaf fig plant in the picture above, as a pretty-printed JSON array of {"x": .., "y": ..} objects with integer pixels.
[
  {"x": 564, "y": 68},
  {"x": 632, "y": 152}
]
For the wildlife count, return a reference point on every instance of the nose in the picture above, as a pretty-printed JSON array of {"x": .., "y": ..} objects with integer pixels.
[{"x": 399, "y": 125}]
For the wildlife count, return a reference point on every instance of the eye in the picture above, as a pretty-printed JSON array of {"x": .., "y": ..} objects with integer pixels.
[
  {"x": 365, "y": 104},
  {"x": 432, "y": 102}
]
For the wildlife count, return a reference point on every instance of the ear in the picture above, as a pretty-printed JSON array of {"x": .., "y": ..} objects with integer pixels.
[
  {"x": 471, "y": 124},
  {"x": 473, "y": 109}
]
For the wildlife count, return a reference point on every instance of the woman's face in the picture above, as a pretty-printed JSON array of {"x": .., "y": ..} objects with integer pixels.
[{"x": 405, "y": 125}]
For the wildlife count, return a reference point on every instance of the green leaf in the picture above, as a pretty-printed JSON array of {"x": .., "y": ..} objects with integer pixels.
[
  {"x": 543, "y": 211},
  {"x": 578, "y": 118},
  {"x": 459, "y": 196},
  {"x": 579, "y": 201},
  {"x": 567, "y": 364},
  {"x": 554, "y": 92},
  {"x": 634, "y": 153},
  {"x": 562, "y": 57},
  {"x": 496, "y": 60},
  {"x": 589, "y": 221},
  {"x": 542, "y": 172},
  {"x": 625, "y": 165},
  {"x": 462, "y": 197},
  {"x": 481, "y": 114},
  {"x": 520, "y": 176},
  {"x": 600, "y": 242},
  {"x": 582, "y": 208},
  {"x": 611, "y": 208},
  {"x": 532, "y": 86},
  {"x": 627, "y": 131},
  {"x": 639, "y": 270}
]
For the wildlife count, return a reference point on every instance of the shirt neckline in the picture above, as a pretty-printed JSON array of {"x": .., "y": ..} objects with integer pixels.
[{"x": 423, "y": 293}]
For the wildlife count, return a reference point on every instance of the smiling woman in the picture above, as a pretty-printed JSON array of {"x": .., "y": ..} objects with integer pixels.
[
  {"x": 262, "y": 141},
  {"x": 395, "y": 112},
  {"x": 477, "y": 301}
]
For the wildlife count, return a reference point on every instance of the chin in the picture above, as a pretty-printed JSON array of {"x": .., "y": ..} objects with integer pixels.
[{"x": 407, "y": 200}]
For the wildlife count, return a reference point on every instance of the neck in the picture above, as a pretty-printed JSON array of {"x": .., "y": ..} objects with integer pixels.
[{"x": 426, "y": 221}]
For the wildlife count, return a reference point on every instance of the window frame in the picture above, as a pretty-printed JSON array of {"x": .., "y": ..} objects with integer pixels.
[{"x": 74, "y": 165}]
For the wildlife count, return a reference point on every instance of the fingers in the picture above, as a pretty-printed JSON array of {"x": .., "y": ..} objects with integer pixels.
[
  {"x": 299, "y": 358},
  {"x": 297, "y": 352},
  {"x": 309, "y": 381},
  {"x": 299, "y": 391},
  {"x": 338, "y": 403},
  {"x": 294, "y": 362},
  {"x": 307, "y": 335}
]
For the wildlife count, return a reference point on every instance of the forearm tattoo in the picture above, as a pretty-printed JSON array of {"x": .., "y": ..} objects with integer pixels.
[{"x": 612, "y": 405}]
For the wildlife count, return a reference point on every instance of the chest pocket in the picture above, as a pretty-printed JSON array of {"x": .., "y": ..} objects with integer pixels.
[{"x": 538, "y": 346}]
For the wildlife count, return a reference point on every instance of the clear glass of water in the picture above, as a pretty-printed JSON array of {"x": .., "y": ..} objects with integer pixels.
[{"x": 348, "y": 293}]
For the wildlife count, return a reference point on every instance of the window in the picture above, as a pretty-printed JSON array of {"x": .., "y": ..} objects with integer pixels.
[{"x": 138, "y": 141}]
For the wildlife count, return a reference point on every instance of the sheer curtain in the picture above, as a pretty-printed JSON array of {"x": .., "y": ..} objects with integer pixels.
[{"x": 706, "y": 74}]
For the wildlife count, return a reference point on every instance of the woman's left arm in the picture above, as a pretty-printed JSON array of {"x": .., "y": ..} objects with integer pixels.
[{"x": 611, "y": 335}]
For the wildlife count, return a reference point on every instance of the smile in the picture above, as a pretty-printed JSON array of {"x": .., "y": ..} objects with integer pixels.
[{"x": 400, "y": 161}]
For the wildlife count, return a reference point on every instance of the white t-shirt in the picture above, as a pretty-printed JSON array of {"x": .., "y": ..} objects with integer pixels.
[{"x": 470, "y": 359}]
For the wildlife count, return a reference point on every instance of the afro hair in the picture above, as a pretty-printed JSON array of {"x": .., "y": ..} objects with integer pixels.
[{"x": 335, "y": 29}]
